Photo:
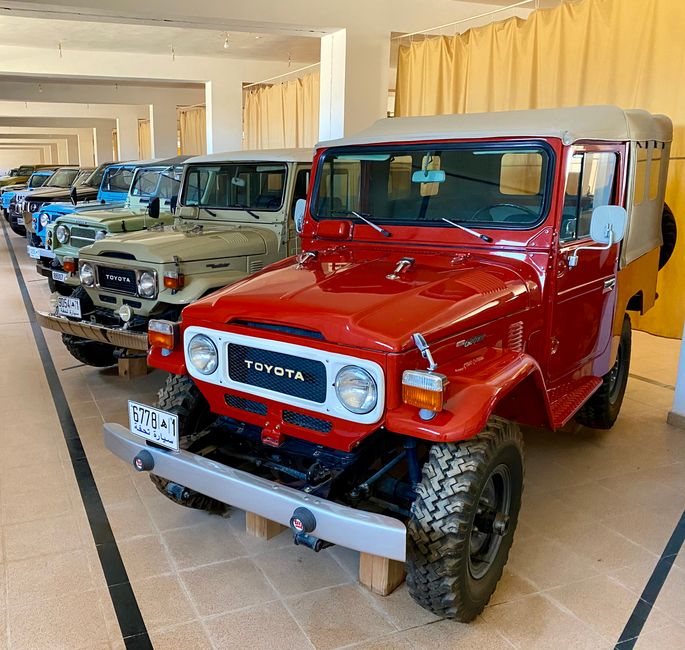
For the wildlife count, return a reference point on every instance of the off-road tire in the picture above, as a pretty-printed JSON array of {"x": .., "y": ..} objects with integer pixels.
[
  {"x": 439, "y": 574},
  {"x": 17, "y": 229},
  {"x": 602, "y": 409},
  {"x": 91, "y": 353},
  {"x": 181, "y": 396},
  {"x": 59, "y": 287},
  {"x": 669, "y": 234}
]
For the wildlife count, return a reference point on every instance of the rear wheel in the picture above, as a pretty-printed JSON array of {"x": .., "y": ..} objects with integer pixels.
[
  {"x": 602, "y": 409},
  {"x": 181, "y": 396},
  {"x": 463, "y": 520},
  {"x": 669, "y": 234}
]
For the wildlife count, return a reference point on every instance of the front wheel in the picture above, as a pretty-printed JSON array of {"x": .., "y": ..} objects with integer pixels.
[
  {"x": 17, "y": 229},
  {"x": 463, "y": 520},
  {"x": 60, "y": 288}
]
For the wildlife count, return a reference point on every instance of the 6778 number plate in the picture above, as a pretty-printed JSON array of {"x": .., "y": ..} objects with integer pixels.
[{"x": 154, "y": 425}]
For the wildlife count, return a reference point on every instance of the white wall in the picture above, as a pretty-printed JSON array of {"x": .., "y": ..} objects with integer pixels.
[{"x": 10, "y": 158}]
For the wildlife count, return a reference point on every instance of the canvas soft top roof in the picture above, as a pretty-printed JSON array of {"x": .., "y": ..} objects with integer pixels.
[
  {"x": 607, "y": 123},
  {"x": 257, "y": 155}
]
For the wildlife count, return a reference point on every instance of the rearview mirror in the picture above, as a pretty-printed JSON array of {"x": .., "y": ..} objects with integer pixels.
[
  {"x": 153, "y": 208},
  {"x": 73, "y": 195},
  {"x": 608, "y": 224},
  {"x": 428, "y": 176},
  {"x": 298, "y": 215}
]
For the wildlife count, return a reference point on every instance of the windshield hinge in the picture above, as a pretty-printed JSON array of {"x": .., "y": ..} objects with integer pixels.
[{"x": 402, "y": 265}]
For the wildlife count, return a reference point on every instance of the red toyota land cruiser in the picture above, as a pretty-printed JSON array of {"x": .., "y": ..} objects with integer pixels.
[{"x": 460, "y": 275}]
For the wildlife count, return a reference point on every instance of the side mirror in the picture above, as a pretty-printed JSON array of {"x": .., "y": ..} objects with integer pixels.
[
  {"x": 73, "y": 195},
  {"x": 607, "y": 227},
  {"x": 298, "y": 215},
  {"x": 172, "y": 204},
  {"x": 153, "y": 208}
]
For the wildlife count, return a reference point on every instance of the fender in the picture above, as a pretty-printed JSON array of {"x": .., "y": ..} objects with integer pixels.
[{"x": 489, "y": 381}]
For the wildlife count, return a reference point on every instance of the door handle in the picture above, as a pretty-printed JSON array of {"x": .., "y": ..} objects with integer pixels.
[{"x": 609, "y": 285}]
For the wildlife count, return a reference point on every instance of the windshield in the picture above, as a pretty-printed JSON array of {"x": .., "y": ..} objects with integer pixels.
[
  {"x": 24, "y": 171},
  {"x": 484, "y": 184},
  {"x": 38, "y": 180},
  {"x": 62, "y": 178},
  {"x": 163, "y": 183},
  {"x": 239, "y": 186},
  {"x": 95, "y": 178},
  {"x": 82, "y": 176},
  {"x": 117, "y": 179}
]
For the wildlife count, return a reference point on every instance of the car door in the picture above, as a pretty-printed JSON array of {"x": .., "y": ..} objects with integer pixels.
[
  {"x": 585, "y": 296},
  {"x": 299, "y": 192}
]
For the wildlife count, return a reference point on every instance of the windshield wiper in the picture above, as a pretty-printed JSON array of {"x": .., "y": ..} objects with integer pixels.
[
  {"x": 244, "y": 207},
  {"x": 375, "y": 226},
  {"x": 208, "y": 211},
  {"x": 473, "y": 233}
]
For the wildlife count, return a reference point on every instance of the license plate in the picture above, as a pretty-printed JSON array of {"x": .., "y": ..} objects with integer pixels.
[
  {"x": 69, "y": 307},
  {"x": 60, "y": 276},
  {"x": 20, "y": 221},
  {"x": 154, "y": 425},
  {"x": 34, "y": 253}
]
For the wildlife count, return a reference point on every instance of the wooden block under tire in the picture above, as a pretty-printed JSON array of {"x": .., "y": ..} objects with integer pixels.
[
  {"x": 261, "y": 527},
  {"x": 380, "y": 574},
  {"x": 131, "y": 367}
]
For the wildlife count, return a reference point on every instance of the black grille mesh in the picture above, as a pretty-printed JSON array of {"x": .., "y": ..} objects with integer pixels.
[
  {"x": 123, "y": 280},
  {"x": 279, "y": 372},
  {"x": 307, "y": 421},
  {"x": 245, "y": 404}
]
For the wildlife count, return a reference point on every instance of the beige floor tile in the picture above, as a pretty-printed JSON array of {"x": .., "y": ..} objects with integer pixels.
[
  {"x": 48, "y": 576},
  {"x": 258, "y": 628},
  {"x": 536, "y": 622},
  {"x": 36, "y": 504},
  {"x": 163, "y": 601},
  {"x": 338, "y": 616},
  {"x": 41, "y": 537},
  {"x": 296, "y": 570},
  {"x": 450, "y": 635},
  {"x": 205, "y": 543},
  {"x": 16, "y": 481},
  {"x": 671, "y": 637},
  {"x": 145, "y": 557},
  {"x": 511, "y": 587},
  {"x": 167, "y": 515},
  {"x": 130, "y": 519},
  {"x": 226, "y": 586},
  {"x": 116, "y": 489},
  {"x": 401, "y": 610},
  {"x": 643, "y": 490},
  {"x": 73, "y": 621},
  {"x": 644, "y": 527},
  {"x": 189, "y": 636}
]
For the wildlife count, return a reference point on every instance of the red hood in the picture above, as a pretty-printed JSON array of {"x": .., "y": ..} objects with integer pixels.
[{"x": 346, "y": 296}]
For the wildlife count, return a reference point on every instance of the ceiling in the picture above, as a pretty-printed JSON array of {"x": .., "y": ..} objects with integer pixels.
[{"x": 147, "y": 39}]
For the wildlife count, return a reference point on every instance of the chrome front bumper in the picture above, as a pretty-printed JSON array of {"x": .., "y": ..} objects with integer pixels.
[
  {"x": 117, "y": 337},
  {"x": 362, "y": 531}
]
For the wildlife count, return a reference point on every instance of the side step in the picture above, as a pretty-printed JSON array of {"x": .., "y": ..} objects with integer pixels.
[{"x": 566, "y": 400}]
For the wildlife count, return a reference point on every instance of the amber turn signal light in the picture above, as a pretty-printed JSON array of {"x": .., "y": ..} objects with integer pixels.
[
  {"x": 174, "y": 280},
  {"x": 162, "y": 334},
  {"x": 69, "y": 264},
  {"x": 423, "y": 389}
]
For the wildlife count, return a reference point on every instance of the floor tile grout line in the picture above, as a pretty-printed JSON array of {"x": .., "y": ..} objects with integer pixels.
[{"x": 95, "y": 510}]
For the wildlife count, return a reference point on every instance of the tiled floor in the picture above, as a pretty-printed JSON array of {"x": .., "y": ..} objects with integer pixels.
[{"x": 598, "y": 510}]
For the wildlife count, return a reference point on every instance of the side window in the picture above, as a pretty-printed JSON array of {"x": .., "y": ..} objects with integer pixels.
[
  {"x": 590, "y": 184},
  {"x": 655, "y": 170},
  {"x": 640, "y": 173},
  {"x": 300, "y": 191}
]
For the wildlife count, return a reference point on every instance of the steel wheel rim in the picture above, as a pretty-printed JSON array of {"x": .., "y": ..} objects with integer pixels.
[
  {"x": 484, "y": 545},
  {"x": 616, "y": 373}
]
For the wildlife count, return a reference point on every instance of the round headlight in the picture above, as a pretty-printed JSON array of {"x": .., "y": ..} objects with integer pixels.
[
  {"x": 356, "y": 389},
  {"x": 44, "y": 219},
  {"x": 87, "y": 274},
  {"x": 62, "y": 234},
  {"x": 202, "y": 354},
  {"x": 100, "y": 234},
  {"x": 147, "y": 287}
]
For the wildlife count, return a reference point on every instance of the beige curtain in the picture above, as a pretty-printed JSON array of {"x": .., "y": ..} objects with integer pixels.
[
  {"x": 282, "y": 115},
  {"x": 144, "y": 140},
  {"x": 192, "y": 123},
  {"x": 625, "y": 52}
]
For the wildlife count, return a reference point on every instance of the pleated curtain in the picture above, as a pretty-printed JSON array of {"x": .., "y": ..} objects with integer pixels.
[
  {"x": 192, "y": 122},
  {"x": 625, "y": 52},
  {"x": 283, "y": 114},
  {"x": 144, "y": 140}
]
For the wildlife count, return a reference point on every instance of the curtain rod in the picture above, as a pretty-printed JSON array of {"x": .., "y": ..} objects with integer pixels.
[
  {"x": 466, "y": 20},
  {"x": 279, "y": 76}
]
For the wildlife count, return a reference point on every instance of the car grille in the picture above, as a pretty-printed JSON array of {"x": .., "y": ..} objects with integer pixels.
[
  {"x": 245, "y": 404},
  {"x": 307, "y": 421},
  {"x": 281, "y": 373},
  {"x": 122, "y": 280},
  {"x": 81, "y": 237}
]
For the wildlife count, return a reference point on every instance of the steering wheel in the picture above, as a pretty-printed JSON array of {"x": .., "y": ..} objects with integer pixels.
[{"x": 516, "y": 206}]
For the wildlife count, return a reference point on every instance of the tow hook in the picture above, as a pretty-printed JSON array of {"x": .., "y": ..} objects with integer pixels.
[{"x": 302, "y": 523}]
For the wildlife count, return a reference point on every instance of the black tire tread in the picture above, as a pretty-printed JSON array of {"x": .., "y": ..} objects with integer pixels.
[
  {"x": 669, "y": 234},
  {"x": 91, "y": 353},
  {"x": 439, "y": 528}
]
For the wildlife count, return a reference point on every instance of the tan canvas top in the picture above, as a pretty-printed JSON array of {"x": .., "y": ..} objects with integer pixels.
[
  {"x": 608, "y": 123},
  {"x": 256, "y": 155}
]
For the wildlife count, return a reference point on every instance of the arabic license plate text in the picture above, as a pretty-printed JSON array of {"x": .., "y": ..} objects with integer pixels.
[
  {"x": 34, "y": 253},
  {"x": 60, "y": 276},
  {"x": 20, "y": 221},
  {"x": 154, "y": 425},
  {"x": 69, "y": 307}
]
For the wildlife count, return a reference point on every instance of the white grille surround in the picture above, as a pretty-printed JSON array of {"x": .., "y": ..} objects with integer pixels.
[{"x": 333, "y": 363}]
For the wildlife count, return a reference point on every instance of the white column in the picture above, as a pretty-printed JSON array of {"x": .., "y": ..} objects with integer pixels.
[
  {"x": 72, "y": 150},
  {"x": 103, "y": 145},
  {"x": 676, "y": 416},
  {"x": 86, "y": 147},
  {"x": 62, "y": 153},
  {"x": 354, "y": 81},
  {"x": 164, "y": 130},
  {"x": 224, "y": 100},
  {"x": 127, "y": 131}
]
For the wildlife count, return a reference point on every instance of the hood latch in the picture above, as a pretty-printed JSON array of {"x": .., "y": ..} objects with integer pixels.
[{"x": 402, "y": 265}]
